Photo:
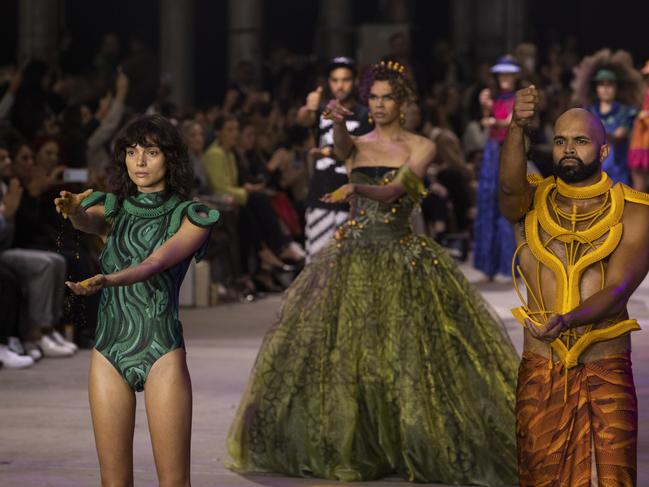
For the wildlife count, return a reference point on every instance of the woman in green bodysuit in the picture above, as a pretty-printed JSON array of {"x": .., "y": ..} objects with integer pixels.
[{"x": 151, "y": 231}]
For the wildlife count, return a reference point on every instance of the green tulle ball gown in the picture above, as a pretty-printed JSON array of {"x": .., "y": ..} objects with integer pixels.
[{"x": 384, "y": 361}]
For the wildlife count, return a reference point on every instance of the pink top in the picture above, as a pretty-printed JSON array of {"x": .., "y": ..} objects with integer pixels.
[{"x": 502, "y": 108}]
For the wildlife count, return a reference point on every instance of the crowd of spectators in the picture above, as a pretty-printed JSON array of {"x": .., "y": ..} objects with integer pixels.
[{"x": 251, "y": 159}]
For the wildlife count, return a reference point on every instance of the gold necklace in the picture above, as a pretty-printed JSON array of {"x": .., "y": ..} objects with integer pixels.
[
  {"x": 605, "y": 217},
  {"x": 573, "y": 216},
  {"x": 584, "y": 192}
]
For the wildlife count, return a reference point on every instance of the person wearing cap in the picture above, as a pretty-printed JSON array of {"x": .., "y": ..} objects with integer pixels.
[
  {"x": 494, "y": 237},
  {"x": 617, "y": 119},
  {"x": 639, "y": 150},
  {"x": 329, "y": 173}
]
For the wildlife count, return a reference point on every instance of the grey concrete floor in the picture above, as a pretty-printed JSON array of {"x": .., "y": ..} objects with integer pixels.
[{"x": 45, "y": 431}]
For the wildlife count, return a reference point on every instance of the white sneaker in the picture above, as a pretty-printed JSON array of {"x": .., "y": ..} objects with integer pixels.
[
  {"x": 297, "y": 249},
  {"x": 12, "y": 360},
  {"x": 58, "y": 338},
  {"x": 52, "y": 349},
  {"x": 33, "y": 350},
  {"x": 15, "y": 345}
]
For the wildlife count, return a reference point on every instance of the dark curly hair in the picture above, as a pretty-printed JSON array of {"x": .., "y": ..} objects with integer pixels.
[
  {"x": 148, "y": 131},
  {"x": 393, "y": 73}
]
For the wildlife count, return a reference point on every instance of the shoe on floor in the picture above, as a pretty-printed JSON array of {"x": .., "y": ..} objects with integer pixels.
[
  {"x": 58, "y": 338},
  {"x": 33, "y": 350},
  {"x": 297, "y": 249},
  {"x": 15, "y": 345},
  {"x": 52, "y": 349},
  {"x": 11, "y": 360}
]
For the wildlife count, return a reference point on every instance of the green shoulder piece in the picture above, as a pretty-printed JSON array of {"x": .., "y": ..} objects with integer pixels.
[
  {"x": 110, "y": 205},
  {"x": 177, "y": 217},
  {"x": 194, "y": 214},
  {"x": 412, "y": 183},
  {"x": 94, "y": 198},
  {"x": 109, "y": 200},
  {"x": 193, "y": 210}
]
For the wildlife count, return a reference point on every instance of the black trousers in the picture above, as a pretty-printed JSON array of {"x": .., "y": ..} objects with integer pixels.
[
  {"x": 10, "y": 299},
  {"x": 223, "y": 250},
  {"x": 80, "y": 310},
  {"x": 258, "y": 225}
]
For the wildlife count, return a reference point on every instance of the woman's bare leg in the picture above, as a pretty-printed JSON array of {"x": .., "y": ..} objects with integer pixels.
[
  {"x": 168, "y": 396},
  {"x": 112, "y": 405}
]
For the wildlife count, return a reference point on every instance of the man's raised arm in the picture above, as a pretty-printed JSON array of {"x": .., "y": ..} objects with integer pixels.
[
  {"x": 306, "y": 115},
  {"x": 343, "y": 141},
  {"x": 515, "y": 195}
]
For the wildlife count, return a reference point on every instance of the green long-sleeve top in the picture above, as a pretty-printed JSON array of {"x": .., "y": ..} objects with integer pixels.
[{"x": 222, "y": 173}]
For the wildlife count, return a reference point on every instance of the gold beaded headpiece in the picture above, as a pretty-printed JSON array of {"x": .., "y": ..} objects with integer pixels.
[{"x": 393, "y": 66}]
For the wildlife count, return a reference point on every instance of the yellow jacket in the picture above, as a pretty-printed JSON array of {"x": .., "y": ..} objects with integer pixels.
[{"x": 223, "y": 174}]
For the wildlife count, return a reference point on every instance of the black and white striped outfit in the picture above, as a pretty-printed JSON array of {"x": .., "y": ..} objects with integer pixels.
[{"x": 322, "y": 219}]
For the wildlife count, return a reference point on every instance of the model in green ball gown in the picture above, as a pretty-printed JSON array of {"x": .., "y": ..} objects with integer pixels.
[
  {"x": 384, "y": 359},
  {"x": 151, "y": 231}
]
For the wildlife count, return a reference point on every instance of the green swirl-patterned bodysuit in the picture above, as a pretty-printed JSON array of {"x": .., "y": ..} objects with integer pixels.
[
  {"x": 139, "y": 323},
  {"x": 384, "y": 360}
]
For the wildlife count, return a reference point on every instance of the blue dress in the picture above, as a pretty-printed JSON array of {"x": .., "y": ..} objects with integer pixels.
[
  {"x": 494, "y": 235},
  {"x": 616, "y": 164}
]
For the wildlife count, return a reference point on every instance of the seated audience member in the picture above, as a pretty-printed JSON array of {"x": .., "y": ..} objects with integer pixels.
[
  {"x": 10, "y": 295},
  {"x": 289, "y": 167},
  {"x": 259, "y": 228},
  {"x": 41, "y": 273},
  {"x": 223, "y": 251}
]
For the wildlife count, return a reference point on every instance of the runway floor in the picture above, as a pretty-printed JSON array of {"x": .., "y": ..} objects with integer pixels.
[{"x": 45, "y": 431}]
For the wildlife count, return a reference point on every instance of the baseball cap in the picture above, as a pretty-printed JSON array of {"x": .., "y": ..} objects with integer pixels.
[
  {"x": 505, "y": 65},
  {"x": 341, "y": 62}
]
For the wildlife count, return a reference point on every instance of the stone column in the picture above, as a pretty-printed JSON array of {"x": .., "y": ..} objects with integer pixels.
[
  {"x": 488, "y": 38},
  {"x": 398, "y": 11},
  {"x": 39, "y": 23},
  {"x": 336, "y": 36},
  {"x": 462, "y": 19},
  {"x": 516, "y": 23},
  {"x": 498, "y": 27},
  {"x": 244, "y": 37},
  {"x": 177, "y": 49}
]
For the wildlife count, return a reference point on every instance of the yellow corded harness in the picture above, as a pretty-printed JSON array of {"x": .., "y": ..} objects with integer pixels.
[{"x": 581, "y": 251}]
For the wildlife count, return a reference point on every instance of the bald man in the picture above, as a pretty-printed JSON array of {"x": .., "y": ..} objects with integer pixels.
[{"x": 582, "y": 252}]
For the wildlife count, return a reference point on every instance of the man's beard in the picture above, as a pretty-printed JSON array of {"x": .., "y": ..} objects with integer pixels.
[
  {"x": 577, "y": 173},
  {"x": 342, "y": 96}
]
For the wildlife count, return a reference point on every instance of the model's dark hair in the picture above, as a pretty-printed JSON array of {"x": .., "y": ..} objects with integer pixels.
[
  {"x": 149, "y": 131},
  {"x": 393, "y": 73}
]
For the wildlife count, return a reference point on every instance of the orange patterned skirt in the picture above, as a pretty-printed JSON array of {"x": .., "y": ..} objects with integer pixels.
[{"x": 558, "y": 429}]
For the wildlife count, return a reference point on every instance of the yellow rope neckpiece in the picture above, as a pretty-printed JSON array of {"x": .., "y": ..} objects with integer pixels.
[
  {"x": 599, "y": 234},
  {"x": 584, "y": 192}
]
